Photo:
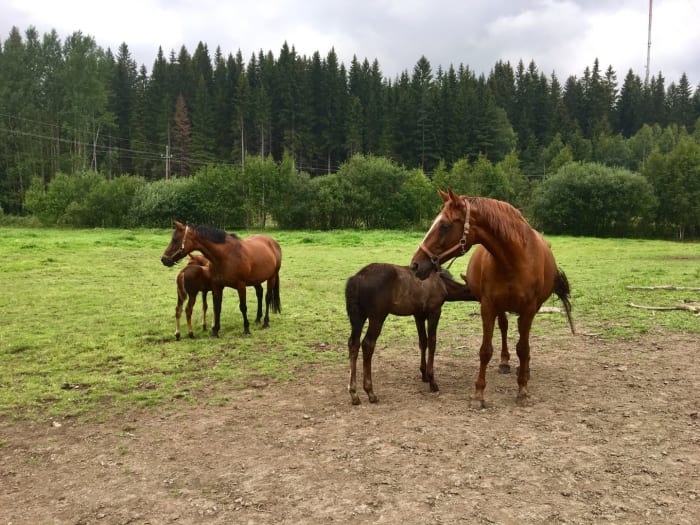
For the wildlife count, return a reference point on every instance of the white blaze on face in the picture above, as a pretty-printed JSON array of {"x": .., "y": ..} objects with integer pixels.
[{"x": 437, "y": 220}]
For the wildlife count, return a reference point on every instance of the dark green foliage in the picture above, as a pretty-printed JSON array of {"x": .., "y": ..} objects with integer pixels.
[
  {"x": 266, "y": 138},
  {"x": 592, "y": 199}
]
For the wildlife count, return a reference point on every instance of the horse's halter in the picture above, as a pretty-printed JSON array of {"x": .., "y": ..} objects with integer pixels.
[
  {"x": 182, "y": 246},
  {"x": 461, "y": 245}
]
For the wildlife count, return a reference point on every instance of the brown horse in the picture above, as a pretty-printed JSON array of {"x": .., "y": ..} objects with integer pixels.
[
  {"x": 191, "y": 280},
  {"x": 234, "y": 262},
  {"x": 378, "y": 290},
  {"x": 513, "y": 270},
  {"x": 195, "y": 277}
]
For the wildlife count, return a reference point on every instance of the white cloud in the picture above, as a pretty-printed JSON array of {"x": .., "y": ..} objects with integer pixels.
[{"x": 559, "y": 35}]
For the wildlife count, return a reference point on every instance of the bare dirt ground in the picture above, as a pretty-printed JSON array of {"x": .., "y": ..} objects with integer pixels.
[{"x": 611, "y": 435}]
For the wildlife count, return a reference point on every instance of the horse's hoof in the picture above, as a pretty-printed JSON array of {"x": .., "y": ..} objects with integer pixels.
[
  {"x": 434, "y": 387},
  {"x": 177, "y": 336},
  {"x": 522, "y": 400},
  {"x": 504, "y": 368},
  {"x": 372, "y": 398},
  {"x": 214, "y": 335},
  {"x": 266, "y": 325},
  {"x": 355, "y": 400},
  {"x": 478, "y": 404},
  {"x": 191, "y": 335}
]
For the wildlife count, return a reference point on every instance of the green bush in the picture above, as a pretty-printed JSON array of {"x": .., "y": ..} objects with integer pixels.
[{"x": 592, "y": 199}]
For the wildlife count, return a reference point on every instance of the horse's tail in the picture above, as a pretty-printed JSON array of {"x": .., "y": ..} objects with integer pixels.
[
  {"x": 563, "y": 291},
  {"x": 276, "y": 303}
]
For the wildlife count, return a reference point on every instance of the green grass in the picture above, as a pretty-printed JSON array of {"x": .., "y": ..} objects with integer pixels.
[{"x": 87, "y": 316}]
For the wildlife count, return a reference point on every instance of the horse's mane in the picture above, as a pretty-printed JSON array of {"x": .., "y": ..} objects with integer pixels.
[
  {"x": 214, "y": 235},
  {"x": 505, "y": 219}
]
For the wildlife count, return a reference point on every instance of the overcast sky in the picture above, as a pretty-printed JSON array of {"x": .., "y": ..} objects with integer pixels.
[{"x": 561, "y": 36}]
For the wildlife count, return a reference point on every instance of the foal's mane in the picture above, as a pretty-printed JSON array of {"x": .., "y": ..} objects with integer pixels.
[
  {"x": 505, "y": 219},
  {"x": 214, "y": 235}
]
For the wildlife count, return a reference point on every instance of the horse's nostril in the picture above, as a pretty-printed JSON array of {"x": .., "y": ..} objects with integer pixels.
[{"x": 414, "y": 267}]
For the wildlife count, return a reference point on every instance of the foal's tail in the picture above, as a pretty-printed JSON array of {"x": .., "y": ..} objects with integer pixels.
[
  {"x": 561, "y": 288},
  {"x": 352, "y": 304},
  {"x": 181, "y": 291}
]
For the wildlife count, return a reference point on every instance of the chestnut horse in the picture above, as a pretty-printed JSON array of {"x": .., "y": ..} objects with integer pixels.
[
  {"x": 234, "y": 262},
  {"x": 513, "y": 270},
  {"x": 380, "y": 289},
  {"x": 191, "y": 280}
]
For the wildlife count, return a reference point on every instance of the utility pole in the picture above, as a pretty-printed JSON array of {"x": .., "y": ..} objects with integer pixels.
[
  {"x": 646, "y": 79},
  {"x": 167, "y": 157}
]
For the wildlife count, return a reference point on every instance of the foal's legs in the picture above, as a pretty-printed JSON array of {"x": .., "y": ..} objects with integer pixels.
[
  {"x": 488, "y": 319},
  {"x": 422, "y": 344},
  {"x": 178, "y": 313},
  {"x": 259, "y": 295},
  {"x": 433, "y": 319},
  {"x": 368, "y": 344},
  {"x": 504, "y": 367},
  {"x": 353, "y": 350}
]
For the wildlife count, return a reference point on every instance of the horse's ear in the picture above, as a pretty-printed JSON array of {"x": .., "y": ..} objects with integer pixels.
[
  {"x": 453, "y": 195},
  {"x": 444, "y": 196},
  {"x": 178, "y": 225}
]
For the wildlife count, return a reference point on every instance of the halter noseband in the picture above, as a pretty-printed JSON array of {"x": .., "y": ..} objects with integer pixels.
[{"x": 461, "y": 245}]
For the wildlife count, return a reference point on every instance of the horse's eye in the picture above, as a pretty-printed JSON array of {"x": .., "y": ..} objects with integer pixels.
[{"x": 444, "y": 227}]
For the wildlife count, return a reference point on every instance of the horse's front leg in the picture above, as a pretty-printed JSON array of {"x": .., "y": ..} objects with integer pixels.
[
  {"x": 259, "y": 295},
  {"x": 433, "y": 321},
  {"x": 422, "y": 344},
  {"x": 244, "y": 309},
  {"x": 523, "y": 350},
  {"x": 488, "y": 319},
  {"x": 368, "y": 344},
  {"x": 504, "y": 366},
  {"x": 191, "y": 299},
  {"x": 217, "y": 292}
]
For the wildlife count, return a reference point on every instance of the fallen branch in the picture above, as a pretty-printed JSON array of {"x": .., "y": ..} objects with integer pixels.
[
  {"x": 663, "y": 287},
  {"x": 685, "y": 307},
  {"x": 549, "y": 310}
]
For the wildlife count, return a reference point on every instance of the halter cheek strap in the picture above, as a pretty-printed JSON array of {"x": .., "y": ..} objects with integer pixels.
[
  {"x": 184, "y": 239},
  {"x": 461, "y": 245}
]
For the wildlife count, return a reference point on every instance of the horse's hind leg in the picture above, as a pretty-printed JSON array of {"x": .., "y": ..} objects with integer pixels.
[
  {"x": 259, "y": 295},
  {"x": 504, "y": 366},
  {"x": 523, "y": 350}
]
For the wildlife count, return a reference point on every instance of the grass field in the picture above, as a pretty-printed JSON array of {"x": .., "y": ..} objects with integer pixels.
[{"x": 87, "y": 316}]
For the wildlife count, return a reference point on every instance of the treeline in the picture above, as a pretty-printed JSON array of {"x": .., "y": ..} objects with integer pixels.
[
  {"x": 71, "y": 107},
  {"x": 662, "y": 199}
]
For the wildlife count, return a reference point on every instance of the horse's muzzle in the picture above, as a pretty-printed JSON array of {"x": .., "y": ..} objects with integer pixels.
[{"x": 167, "y": 261}]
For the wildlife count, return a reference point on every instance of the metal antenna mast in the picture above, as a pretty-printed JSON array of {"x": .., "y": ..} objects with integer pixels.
[{"x": 646, "y": 79}]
